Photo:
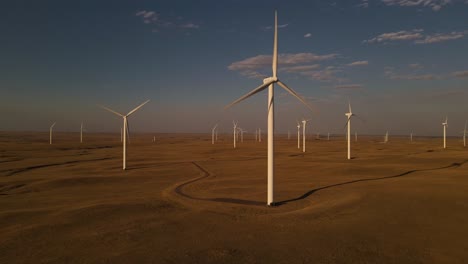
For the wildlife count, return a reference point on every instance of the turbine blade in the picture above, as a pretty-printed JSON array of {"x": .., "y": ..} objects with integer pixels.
[
  {"x": 110, "y": 110},
  {"x": 291, "y": 91},
  {"x": 349, "y": 103},
  {"x": 53, "y": 125},
  {"x": 275, "y": 47},
  {"x": 254, "y": 91},
  {"x": 347, "y": 122},
  {"x": 138, "y": 107}
]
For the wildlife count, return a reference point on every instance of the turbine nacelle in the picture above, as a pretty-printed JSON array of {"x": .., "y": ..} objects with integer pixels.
[{"x": 270, "y": 80}]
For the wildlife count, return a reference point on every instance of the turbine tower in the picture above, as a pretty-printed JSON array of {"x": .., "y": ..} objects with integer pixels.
[
  {"x": 213, "y": 134},
  {"x": 298, "y": 135},
  {"x": 50, "y": 133},
  {"x": 348, "y": 124},
  {"x": 464, "y": 135},
  {"x": 304, "y": 123},
  {"x": 411, "y": 136},
  {"x": 81, "y": 132},
  {"x": 235, "y": 132},
  {"x": 269, "y": 82},
  {"x": 445, "y": 124},
  {"x": 125, "y": 129}
]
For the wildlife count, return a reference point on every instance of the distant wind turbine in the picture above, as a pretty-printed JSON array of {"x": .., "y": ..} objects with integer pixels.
[
  {"x": 464, "y": 135},
  {"x": 125, "y": 128},
  {"x": 81, "y": 132},
  {"x": 328, "y": 136},
  {"x": 304, "y": 123},
  {"x": 386, "y": 137},
  {"x": 235, "y": 132},
  {"x": 269, "y": 82},
  {"x": 348, "y": 124},
  {"x": 50, "y": 133},
  {"x": 298, "y": 135},
  {"x": 411, "y": 136},
  {"x": 213, "y": 134},
  {"x": 445, "y": 124}
]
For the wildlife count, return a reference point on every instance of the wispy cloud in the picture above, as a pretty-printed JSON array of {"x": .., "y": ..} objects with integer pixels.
[
  {"x": 460, "y": 74},
  {"x": 348, "y": 86},
  {"x": 271, "y": 27},
  {"x": 263, "y": 61},
  {"x": 308, "y": 35},
  {"x": 415, "y": 66},
  {"x": 435, "y": 5},
  {"x": 302, "y": 68},
  {"x": 358, "y": 63},
  {"x": 364, "y": 4},
  {"x": 154, "y": 19},
  {"x": 393, "y": 36},
  {"x": 389, "y": 73},
  {"x": 417, "y": 36},
  {"x": 441, "y": 37}
]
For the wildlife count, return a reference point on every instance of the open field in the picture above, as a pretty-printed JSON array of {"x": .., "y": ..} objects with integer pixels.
[{"x": 183, "y": 200}]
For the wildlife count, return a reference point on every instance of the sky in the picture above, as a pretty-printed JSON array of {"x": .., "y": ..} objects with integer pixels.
[{"x": 403, "y": 64}]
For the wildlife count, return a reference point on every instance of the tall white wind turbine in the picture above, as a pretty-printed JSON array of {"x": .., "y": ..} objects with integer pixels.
[
  {"x": 235, "y": 132},
  {"x": 298, "y": 135},
  {"x": 348, "y": 124},
  {"x": 269, "y": 82},
  {"x": 213, "y": 134},
  {"x": 81, "y": 132},
  {"x": 125, "y": 128},
  {"x": 464, "y": 135},
  {"x": 445, "y": 124},
  {"x": 386, "y": 137},
  {"x": 50, "y": 133},
  {"x": 304, "y": 123}
]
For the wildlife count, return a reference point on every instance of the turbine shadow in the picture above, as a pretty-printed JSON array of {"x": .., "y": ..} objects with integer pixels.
[{"x": 309, "y": 193}]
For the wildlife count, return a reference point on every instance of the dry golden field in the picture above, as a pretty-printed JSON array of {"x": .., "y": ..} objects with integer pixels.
[{"x": 184, "y": 200}]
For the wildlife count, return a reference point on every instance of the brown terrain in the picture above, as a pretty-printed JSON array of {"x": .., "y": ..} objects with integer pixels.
[{"x": 184, "y": 200}]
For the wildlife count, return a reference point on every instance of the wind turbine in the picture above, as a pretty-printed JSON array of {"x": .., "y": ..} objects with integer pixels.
[
  {"x": 304, "y": 123},
  {"x": 242, "y": 134},
  {"x": 464, "y": 135},
  {"x": 235, "y": 132},
  {"x": 125, "y": 128},
  {"x": 328, "y": 136},
  {"x": 348, "y": 124},
  {"x": 386, "y": 137},
  {"x": 213, "y": 134},
  {"x": 269, "y": 82},
  {"x": 298, "y": 135},
  {"x": 81, "y": 132},
  {"x": 445, "y": 124},
  {"x": 50, "y": 133}
]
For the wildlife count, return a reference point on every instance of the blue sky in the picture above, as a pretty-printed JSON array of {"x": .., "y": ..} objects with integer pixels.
[{"x": 402, "y": 63}]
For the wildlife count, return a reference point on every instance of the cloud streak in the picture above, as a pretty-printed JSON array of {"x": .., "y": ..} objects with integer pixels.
[
  {"x": 417, "y": 36},
  {"x": 359, "y": 63},
  {"x": 435, "y": 5},
  {"x": 154, "y": 19}
]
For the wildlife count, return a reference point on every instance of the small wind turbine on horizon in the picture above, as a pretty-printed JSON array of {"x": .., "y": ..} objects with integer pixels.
[
  {"x": 269, "y": 82},
  {"x": 445, "y": 125},
  {"x": 464, "y": 135},
  {"x": 50, "y": 133},
  {"x": 304, "y": 123},
  {"x": 386, "y": 137},
  {"x": 298, "y": 135},
  {"x": 411, "y": 136},
  {"x": 81, "y": 132},
  {"x": 348, "y": 124},
  {"x": 213, "y": 134},
  {"x": 125, "y": 128},
  {"x": 235, "y": 132}
]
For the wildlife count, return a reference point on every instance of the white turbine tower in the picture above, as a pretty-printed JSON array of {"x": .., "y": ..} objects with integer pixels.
[
  {"x": 328, "y": 136},
  {"x": 348, "y": 124},
  {"x": 464, "y": 135},
  {"x": 50, "y": 133},
  {"x": 411, "y": 136},
  {"x": 81, "y": 132},
  {"x": 386, "y": 137},
  {"x": 235, "y": 132},
  {"x": 269, "y": 82},
  {"x": 125, "y": 128},
  {"x": 298, "y": 135},
  {"x": 445, "y": 124},
  {"x": 213, "y": 134},
  {"x": 304, "y": 123}
]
